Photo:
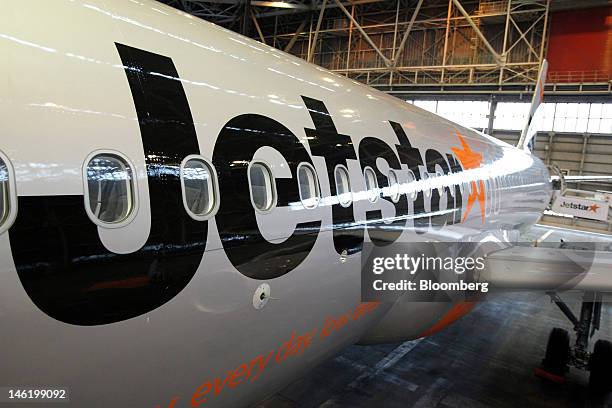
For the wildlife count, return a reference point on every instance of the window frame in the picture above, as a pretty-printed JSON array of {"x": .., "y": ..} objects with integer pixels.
[
  {"x": 438, "y": 177},
  {"x": 412, "y": 196},
  {"x": 451, "y": 186},
  {"x": 316, "y": 184},
  {"x": 394, "y": 198},
  {"x": 11, "y": 196},
  {"x": 374, "y": 196},
  {"x": 133, "y": 189},
  {"x": 349, "y": 202},
  {"x": 215, "y": 188},
  {"x": 488, "y": 195},
  {"x": 497, "y": 194},
  {"x": 426, "y": 179},
  {"x": 272, "y": 186}
]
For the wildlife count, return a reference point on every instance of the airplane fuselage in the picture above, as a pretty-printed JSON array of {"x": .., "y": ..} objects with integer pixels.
[{"x": 163, "y": 305}]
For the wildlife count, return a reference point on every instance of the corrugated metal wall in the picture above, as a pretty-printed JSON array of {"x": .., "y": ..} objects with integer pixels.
[{"x": 580, "y": 154}]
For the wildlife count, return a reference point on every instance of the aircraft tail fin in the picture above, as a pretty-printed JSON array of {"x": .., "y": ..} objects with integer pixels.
[{"x": 527, "y": 139}]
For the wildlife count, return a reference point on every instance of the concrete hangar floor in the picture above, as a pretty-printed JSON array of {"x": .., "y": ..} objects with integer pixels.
[{"x": 487, "y": 359}]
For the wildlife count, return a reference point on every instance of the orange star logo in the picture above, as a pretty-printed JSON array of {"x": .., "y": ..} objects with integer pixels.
[
  {"x": 594, "y": 208},
  {"x": 471, "y": 160}
]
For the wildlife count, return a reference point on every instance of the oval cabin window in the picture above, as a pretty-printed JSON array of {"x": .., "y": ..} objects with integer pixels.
[
  {"x": 411, "y": 183},
  {"x": 263, "y": 190},
  {"x": 394, "y": 187},
  {"x": 4, "y": 192},
  {"x": 343, "y": 186},
  {"x": 371, "y": 184},
  {"x": 199, "y": 187},
  {"x": 110, "y": 188},
  {"x": 425, "y": 177},
  {"x": 308, "y": 185},
  {"x": 439, "y": 175}
]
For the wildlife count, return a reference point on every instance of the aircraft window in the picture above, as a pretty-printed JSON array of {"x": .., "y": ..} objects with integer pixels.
[
  {"x": 4, "y": 192},
  {"x": 308, "y": 185},
  {"x": 412, "y": 179},
  {"x": 263, "y": 190},
  {"x": 427, "y": 184},
  {"x": 343, "y": 186},
  {"x": 440, "y": 174},
  {"x": 497, "y": 194},
  {"x": 488, "y": 195},
  {"x": 110, "y": 188},
  {"x": 451, "y": 186},
  {"x": 371, "y": 184},
  {"x": 394, "y": 187},
  {"x": 199, "y": 187}
]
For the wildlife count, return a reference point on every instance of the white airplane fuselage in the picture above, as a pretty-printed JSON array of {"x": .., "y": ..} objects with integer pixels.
[{"x": 161, "y": 307}]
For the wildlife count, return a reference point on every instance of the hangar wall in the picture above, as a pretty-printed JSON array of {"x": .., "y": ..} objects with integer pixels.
[
  {"x": 575, "y": 154},
  {"x": 580, "y": 45}
]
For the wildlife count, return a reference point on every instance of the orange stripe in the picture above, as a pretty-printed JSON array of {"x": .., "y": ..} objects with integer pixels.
[{"x": 455, "y": 313}]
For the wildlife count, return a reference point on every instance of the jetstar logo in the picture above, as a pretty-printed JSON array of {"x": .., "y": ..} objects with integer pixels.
[
  {"x": 593, "y": 208},
  {"x": 471, "y": 160},
  {"x": 578, "y": 206},
  {"x": 582, "y": 207}
]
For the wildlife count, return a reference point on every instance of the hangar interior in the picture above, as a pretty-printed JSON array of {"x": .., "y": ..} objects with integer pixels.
[{"x": 475, "y": 62}]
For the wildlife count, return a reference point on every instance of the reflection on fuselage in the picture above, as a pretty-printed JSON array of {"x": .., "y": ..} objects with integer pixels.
[
  {"x": 181, "y": 271},
  {"x": 410, "y": 188}
]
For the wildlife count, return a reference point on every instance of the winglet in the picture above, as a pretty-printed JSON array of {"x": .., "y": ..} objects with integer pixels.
[{"x": 527, "y": 136}]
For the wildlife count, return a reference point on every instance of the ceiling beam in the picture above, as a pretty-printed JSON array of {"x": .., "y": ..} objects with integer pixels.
[
  {"x": 407, "y": 33},
  {"x": 498, "y": 58},
  {"x": 363, "y": 33}
]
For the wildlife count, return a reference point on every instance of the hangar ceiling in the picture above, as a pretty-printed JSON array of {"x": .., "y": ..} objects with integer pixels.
[{"x": 412, "y": 46}]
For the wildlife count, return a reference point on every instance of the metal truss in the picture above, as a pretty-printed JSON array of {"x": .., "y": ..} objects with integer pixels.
[
  {"x": 402, "y": 46},
  {"x": 213, "y": 11}
]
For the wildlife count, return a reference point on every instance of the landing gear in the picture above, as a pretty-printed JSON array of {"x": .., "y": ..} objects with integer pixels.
[
  {"x": 600, "y": 364},
  {"x": 557, "y": 352},
  {"x": 560, "y": 355}
]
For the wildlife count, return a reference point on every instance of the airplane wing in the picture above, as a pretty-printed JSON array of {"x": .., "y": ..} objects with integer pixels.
[
  {"x": 553, "y": 259},
  {"x": 550, "y": 269}
]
